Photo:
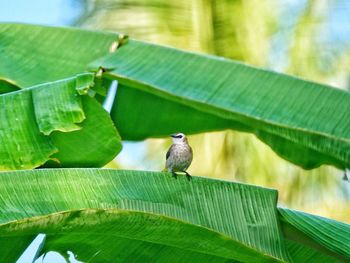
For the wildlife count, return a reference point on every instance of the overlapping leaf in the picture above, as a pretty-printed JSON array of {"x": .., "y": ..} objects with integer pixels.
[
  {"x": 53, "y": 122},
  {"x": 326, "y": 235},
  {"x": 146, "y": 236},
  {"x": 161, "y": 90},
  {"x": 304, "y": 122},
  {"x": 7, "y": 86},
  {"x": 244, "y": 213},
  {"x": 244, "y": 217}
]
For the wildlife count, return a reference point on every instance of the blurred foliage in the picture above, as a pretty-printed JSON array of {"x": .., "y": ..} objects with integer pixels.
[{"x": 288, "y": 36}]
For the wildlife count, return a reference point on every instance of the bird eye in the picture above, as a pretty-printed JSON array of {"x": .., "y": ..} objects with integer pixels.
[{"x": 178, "y": 136}]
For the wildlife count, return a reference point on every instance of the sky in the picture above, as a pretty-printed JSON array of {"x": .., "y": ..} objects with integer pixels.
[{"x": 46, "y": 12}]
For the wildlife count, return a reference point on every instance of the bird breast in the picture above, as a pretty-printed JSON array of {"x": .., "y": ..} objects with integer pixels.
[{"x": 180, "y": 158}]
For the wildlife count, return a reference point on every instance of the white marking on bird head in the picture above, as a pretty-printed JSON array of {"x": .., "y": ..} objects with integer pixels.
[{"x": 179, "y": 138}]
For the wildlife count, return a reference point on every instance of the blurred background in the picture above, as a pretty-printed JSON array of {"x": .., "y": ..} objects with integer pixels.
[{"x": 307, "y": 38}]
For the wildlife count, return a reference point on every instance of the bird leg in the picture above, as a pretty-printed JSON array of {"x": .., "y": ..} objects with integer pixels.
[
  {"x": 188, "y": 176},
  {"x": 174, "y": 175}
]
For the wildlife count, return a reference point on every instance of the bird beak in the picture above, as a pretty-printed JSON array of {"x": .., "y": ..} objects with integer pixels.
[{"x": 173, "y": 135}]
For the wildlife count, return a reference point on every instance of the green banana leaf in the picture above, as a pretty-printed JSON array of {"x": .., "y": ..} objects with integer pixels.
[
  {"x": 315, "y": 230},
  {"x": 198, "y": 202},
  {"x": 161, "y": 90},
  {"x": 304, "y": 122},
  {"x": 131, "y": 236},
  {"x": 6, "y": 86},
  {"x": 303, "y": 253},
  {"x": 52, "y": 122},
  {"x": 238, "y": 218},
  {"x": 13, "y": 247}
]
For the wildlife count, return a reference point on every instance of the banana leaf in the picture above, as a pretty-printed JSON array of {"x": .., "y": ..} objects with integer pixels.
[
  {"x": 311, "y": 231},
  {"x": 131, "y": 236},
  {"x": 104, "y": 214},
  {"x": 53, "y": 125},
  {"x": 304, "y": 122}
]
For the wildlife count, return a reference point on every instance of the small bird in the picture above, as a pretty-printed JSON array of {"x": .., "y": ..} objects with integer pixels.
[{"x": 179, "y": 155}]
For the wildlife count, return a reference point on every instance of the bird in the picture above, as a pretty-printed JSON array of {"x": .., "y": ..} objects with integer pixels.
[{"x": 179, "y": 156}]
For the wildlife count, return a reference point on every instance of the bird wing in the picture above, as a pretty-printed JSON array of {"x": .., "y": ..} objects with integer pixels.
[{"x": 168, "y": 152}]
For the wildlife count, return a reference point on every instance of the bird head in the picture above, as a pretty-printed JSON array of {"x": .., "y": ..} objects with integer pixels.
[{"x": 179, "y": 138}]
